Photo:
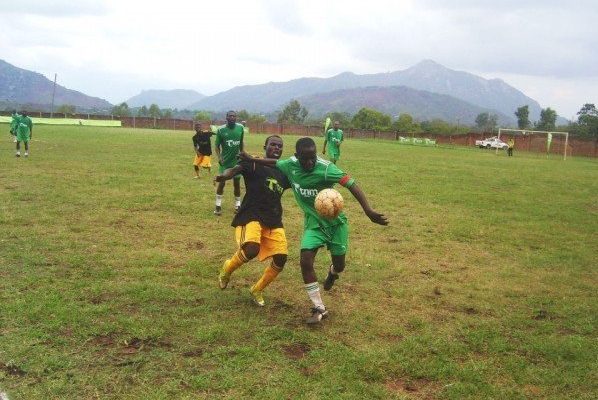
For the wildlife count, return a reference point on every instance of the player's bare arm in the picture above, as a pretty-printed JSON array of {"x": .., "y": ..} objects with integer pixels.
[
  {"x": 324, "y": 149},
  {"x": 373, "y": 215},
  {"x": 244, "y": 156},
  {"x": 229, "y": 173}
]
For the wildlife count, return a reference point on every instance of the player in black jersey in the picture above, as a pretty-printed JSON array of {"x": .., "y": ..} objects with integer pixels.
[
  {"x": 203, "y": 148},
  {"x": 258, "y": 223}
]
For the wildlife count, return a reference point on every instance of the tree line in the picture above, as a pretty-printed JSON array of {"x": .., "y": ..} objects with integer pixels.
[{"x": 370, "y": 119}]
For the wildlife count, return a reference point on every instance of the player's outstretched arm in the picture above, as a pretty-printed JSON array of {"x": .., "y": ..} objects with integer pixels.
[
  {"x": 244, "y": 156},
  {"x": 373, "y": 215},
  {"x": 324, "y": 148},
  {"x": 229, "y": 173}
]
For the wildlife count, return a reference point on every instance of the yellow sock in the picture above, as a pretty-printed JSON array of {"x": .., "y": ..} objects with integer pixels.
[
  {"x": 270, "y": 273},
  {"x": 236, "y": 261}
]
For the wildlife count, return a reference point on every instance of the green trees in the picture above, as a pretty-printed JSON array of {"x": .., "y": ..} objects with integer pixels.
[
  {"x": 366, "y": 118},
  {"x": 522, "y": 115},
  {"x": 154, "y": 111},
  {"x": 293, "y": 113},
  {"x": 202, "y": 116},
  {"x": 121, "y": 110},
  {"x": 588, "y": 120},
  {"x": 486, "y": 122},
  {"x": 143, "y": 112},
  {"x": 66, "y": 109},
  {"x": 405, "y": 123},
  {"x": 547, "y": 120}
]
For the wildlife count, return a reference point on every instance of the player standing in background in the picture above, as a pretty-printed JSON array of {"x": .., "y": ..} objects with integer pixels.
[
  {"x": 308, "y": 175},
  {"x": 511, "y": 144},
  {"x": 24, "y": 133},
  {"x": 258, "y": 224},
  {"x": 334, "y": 138},
  {"x": 229, "y": 142},
  {"x": 203, "y": 149},
  {"x": 14, "y": 123}
]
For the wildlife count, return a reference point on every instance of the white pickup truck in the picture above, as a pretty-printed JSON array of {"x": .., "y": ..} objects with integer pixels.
[{"x": 491, "y": 143}]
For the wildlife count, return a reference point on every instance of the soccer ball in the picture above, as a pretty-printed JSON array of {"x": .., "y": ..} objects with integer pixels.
[{"x": 329, "y": 203}]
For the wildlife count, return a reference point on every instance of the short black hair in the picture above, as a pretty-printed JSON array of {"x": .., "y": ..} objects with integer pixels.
[
  {"x": 24, "y": 113},
  {"x": 231, "y": 112},
  {"x": 269, "y": 137},
  {"x": 304, "y": 143}
]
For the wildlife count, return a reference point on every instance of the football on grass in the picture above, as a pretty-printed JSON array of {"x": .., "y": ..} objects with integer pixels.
[{"x": 329, "y": 203}]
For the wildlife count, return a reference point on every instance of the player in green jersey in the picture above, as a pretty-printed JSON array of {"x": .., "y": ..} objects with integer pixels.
[
  {"x": 24, "y": 133},
  {"x": 229, "y": 142},
  {"x": 14, "y": 123},
  {"x": 308, "y": 175},
  {"x": 334, "y": 138}
]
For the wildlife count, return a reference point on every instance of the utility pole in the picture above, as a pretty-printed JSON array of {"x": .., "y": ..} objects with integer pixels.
[{"x": 53, "y": 93}]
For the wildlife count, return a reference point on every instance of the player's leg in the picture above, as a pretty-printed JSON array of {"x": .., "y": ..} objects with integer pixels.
[
  {"x": 274, "y": 246},
  {"x": 196, "y": 162},
  {"x": 219, "y": 192},
  {"x": 311, "y": 241},
  {"x": 338, "y": 245},
  {"x": 18, "y": 148},
  {"x": 27, "y": 148},
  {"x": 237, "y": 192},
  {"x": 248, "y": 238}
]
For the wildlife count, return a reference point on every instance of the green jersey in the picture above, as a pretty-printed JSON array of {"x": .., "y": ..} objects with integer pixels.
[
  {"x": 334, "y": 139},
  {"x": 25, "y": 125},
  {"x": 307, "y": 184},
  {"x": 231, "y": 142}
]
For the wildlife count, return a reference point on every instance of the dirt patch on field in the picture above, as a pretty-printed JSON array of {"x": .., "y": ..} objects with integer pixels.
[
  {"x": 197, "y": 245},
  {"x": 12, "y": 369},
  {"x": 194, "y": 353},
  {"x": 296, "y": 351},
  {"x": 413, "y": 388}
]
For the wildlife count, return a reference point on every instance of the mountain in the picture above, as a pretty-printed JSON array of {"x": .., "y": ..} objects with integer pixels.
[
  {"x": 21, "y": 86},
  {"x": 493, "y": 94},
  {"x": 395, "y": 100},
  {"x": 177, "y": 98}
]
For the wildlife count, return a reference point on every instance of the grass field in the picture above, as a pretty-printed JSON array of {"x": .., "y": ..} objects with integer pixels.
[{"x": 483, "y": 286}]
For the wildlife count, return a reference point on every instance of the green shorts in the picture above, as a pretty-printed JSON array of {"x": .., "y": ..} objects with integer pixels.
[
  {"x": 334, "y": 155},
  {"x": 23, "y": 136},
  {"x": 336, "y": 239}
]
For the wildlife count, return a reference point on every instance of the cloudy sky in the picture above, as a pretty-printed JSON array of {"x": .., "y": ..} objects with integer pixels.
[{"x": 115, "y": 48}]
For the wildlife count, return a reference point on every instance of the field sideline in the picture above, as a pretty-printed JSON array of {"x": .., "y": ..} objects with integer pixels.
[{"x": 483, "y": 286}]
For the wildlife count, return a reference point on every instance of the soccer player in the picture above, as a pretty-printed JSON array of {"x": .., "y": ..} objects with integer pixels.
[
  {"x": 203, "y": 149},
  {"x": 334, "y": 138},
  {"x": 229, "y": 141},
  {"x": 24, "y": 133},
  {"x": 258, "y": 223},
  {"x": 308, "y": 175},
  {"x": 14, "y": 123},
  {"x": 511, "y": 144}
]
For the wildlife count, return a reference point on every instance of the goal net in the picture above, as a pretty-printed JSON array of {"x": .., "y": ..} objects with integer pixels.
[{"x": 537, "y": 141}]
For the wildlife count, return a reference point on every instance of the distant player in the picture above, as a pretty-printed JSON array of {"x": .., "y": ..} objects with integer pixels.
[
  {"x": 14, "y": 123},
  {"x": 229, "y": 142},
  {"x": 203, "y": 149},
  {"x": 334, "y": 138},
  {"x": 24, "y": 133},
  {"x": 258, "y": 224},
  {"x": 308, "y": 175},
  {"x": 511, "y": 144}
]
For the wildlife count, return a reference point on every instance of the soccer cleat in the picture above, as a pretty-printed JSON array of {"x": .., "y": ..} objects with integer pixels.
[
  {"x": 224, "y": 277},
  {"x": 317, "y": 315},
  {"x": 26, "y": 154},
  {"x": 237, "y": 209},
  {"x": 196, "y": 177},
  {"x": 258, "y": 297},
  {"x": 329, "y": 282},
  {"x": 218, "y": 210},
  {"x": 18, "y": 154}
]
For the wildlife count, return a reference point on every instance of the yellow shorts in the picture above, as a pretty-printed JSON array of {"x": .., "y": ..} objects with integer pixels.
[
  {"x": 272, "y": 241},
  {"x": 202, "y": 161}
]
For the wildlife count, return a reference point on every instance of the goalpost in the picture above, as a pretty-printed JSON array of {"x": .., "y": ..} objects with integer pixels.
[{"x": 548, "y": 134}]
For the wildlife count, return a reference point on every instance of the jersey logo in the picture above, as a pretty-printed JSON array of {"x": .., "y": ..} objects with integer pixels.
[
  {"x": 231, "y": 143},
  {"x": 305, "y": 192},
  {"x": 274, "y": 186}
]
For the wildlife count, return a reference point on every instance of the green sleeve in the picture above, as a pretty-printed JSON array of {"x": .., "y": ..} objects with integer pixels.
[
  {"x": 283, "y": 166},
  {"x": 335, "y": 175},
  {"x": 217, "y": 141}
]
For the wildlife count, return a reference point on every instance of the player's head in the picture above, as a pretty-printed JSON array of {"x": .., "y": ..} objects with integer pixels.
[
  {"x": 305, "y": 151},
  {"x": 244, "y": 123},
  {"x": 273, "y": 146},
  {"x": 336, "y": 125},
  {"x": 24, "y": 113},
  {"x": 231, "y": 117},
  {"x": 198, "y": 126}
]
